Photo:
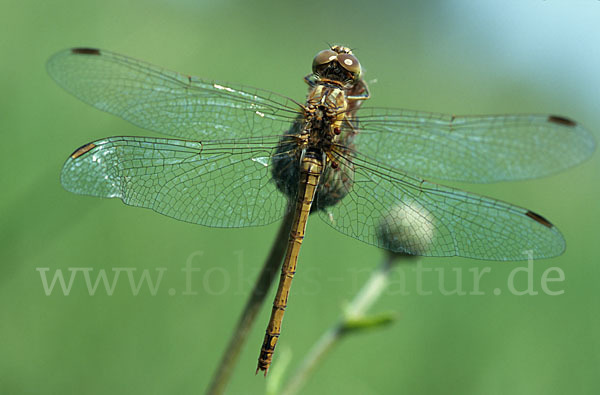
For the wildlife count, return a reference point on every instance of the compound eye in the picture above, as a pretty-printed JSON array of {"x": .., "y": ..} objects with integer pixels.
[
  {"x": 349, "y": 62},
  {"x": 324, "y": 57}
]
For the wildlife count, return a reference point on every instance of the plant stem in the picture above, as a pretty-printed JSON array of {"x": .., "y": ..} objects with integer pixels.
[
  {"x": 365, "y": 298},
  {"x": 262, "y": 285}
]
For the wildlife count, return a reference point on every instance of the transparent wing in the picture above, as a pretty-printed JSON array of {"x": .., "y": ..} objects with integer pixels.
[
  {"x": 472, "y": 148},
  {"x": 402, "y": 213},
  {"x": 221, "y": 184},
  {"x": 169, "y": 102}
]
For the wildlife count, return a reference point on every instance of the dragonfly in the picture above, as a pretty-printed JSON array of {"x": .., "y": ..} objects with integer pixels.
[{"x": 240, "y": 156}]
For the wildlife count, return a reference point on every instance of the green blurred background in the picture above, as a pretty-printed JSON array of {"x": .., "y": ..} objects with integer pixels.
[{"x": 447, "y": 56}]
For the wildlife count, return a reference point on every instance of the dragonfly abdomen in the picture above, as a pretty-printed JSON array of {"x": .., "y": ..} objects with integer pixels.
[{"x": 311, "y": 168}]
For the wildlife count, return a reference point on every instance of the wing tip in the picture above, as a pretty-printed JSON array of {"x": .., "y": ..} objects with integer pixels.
[
  {"x": 538, "y": 218},
  {"x": 85, "y": 51},
  {"x": 559, "y": 120},
  {"x": 82, "y": 150}
]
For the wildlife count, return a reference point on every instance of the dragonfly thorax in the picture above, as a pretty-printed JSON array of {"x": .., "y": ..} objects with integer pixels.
[
  {"x": 318, "y": 131},
  {"x": 324, "y": 113}
]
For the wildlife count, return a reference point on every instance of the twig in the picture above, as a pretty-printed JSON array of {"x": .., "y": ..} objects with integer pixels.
[
  {"x": 352, "y": 320},
  {"x": 256, "y": 299}
]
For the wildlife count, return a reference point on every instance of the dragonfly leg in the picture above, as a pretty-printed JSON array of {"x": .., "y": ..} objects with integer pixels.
[
  {"x": 363, "y": 91},
  {"x": 310, "y": 80}
]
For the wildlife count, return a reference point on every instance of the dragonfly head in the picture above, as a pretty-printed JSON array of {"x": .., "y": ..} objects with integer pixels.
[{"x": 337, "y": 64}]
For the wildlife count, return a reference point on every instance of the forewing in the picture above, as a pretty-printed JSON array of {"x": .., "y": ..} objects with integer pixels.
[
  {"x": 472, "y": 148},
  {"x": 169, "y": 102},
  {"x": 221, "y": 184},
  {"x": 402, "y": 213}
]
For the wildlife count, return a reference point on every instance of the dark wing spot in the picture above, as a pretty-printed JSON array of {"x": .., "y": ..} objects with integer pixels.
[
  {"x": 85, "y": 51},
  {"x": 82, "y": 150},
  {"x": 539, "y": 218},
  {"x": 561, "y": 120}
]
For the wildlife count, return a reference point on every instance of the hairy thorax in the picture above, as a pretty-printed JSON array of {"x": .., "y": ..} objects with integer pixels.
[{"x": 323, "y": 129}]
